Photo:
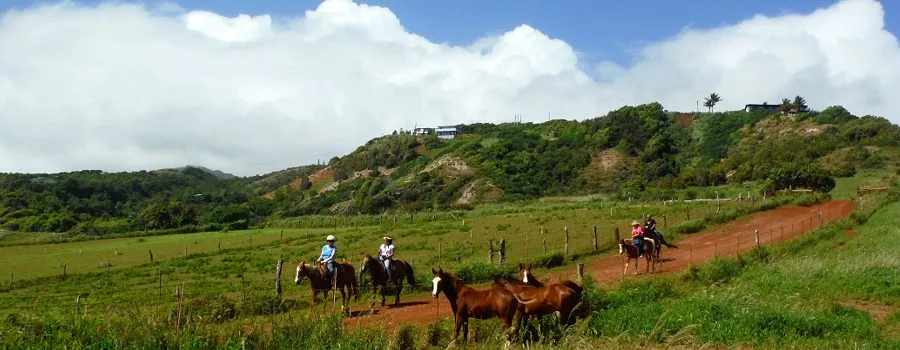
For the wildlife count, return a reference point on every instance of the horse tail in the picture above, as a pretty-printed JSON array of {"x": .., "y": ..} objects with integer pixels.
[
  {"x": 574, "y": 286},
  {"x": 410, "y": 276}
]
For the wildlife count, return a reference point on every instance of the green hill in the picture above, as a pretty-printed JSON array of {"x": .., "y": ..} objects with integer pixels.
[{"x": 634, "y": 151}]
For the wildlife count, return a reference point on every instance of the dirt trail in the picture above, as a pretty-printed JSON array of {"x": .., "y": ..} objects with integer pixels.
[{"x": 777, "y": 225}]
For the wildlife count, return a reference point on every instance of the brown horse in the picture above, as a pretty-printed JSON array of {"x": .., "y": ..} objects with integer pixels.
[
  {"x": 376, "y": 270},
  {"x": 557, "y": 299},
  {"x": 629, "y": 252},
  {"x": 528, "y": 278},
  {"x": 468, "y": 302},
  {"x": 344, "y": 277}
]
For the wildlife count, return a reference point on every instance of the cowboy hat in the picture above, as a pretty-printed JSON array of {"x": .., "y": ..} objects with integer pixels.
[
  {"x": 329, "y": 238},
  {"x": 388, "y": 238},
  {"x": 635, "y": 223}
]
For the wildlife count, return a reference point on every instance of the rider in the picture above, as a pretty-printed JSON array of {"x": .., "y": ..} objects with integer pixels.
[
  {"x": 637, "y": 237},
  {"x": 650, "y": 227},
  {"x": 386, "y": 253},
  {"x": 329, "y": 253}
]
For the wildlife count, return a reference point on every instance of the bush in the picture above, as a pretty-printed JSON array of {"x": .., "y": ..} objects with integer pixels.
[
  {"x": 480, "y": 272},
  {"x": 549, "y": 260},
  {"x": 691, "y": 226}
]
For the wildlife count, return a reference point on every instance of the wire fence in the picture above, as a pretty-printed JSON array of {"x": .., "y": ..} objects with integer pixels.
[{"x": 173, "y": 293}]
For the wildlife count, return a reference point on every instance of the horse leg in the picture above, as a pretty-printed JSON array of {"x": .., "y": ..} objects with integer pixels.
[
  {"x": 383, "y": 292},
  {"x": 626, "y": 267},
  {"x": 399, "y": 285},
  {"x": 636, "y": 265}
]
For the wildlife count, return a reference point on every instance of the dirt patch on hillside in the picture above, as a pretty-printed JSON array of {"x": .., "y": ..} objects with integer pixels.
[
  {"x": 774, "y": 226},
  {"x": 323, "y": 175},
  {"x": 686, "y": 119},
  {"x": 606, "y": 160},
  {"x": 455, "y": 165},
  {"x": 470, "y": 194}
]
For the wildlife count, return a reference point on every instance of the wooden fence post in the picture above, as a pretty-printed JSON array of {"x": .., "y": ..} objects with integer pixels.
[
  {"x": 596, "y": 247},
  {"x": 278, "y": 279},
  {"x": 282, "y": 236},
  {"x": 707, "y": 208},
  {"x": 665, "y": 223},
  {"x": 77, "y": 306},
  {"x": 10, "y": 281},
  {"x": 178, "y": 320},
  {"x": 566, "y": 248},
  {"x": 185, "y": 251},
  {"x": 160, "y": 283},
  {"x": 219, "y": 246},
  {"x": 151, "y": 256},
  {"x": 545, "y": 246},
  {"x": 687, "y": 210},
  {"x": 821, "y": 219},
  {"x": 491, "y": 251},
  {"x": 617, "y": 235},
  {"x": 580, "y": 271},
  {"x": 756, "y": 232},
  {"x": 64, "y": 272},
  {"x": 502, "y": 252}
]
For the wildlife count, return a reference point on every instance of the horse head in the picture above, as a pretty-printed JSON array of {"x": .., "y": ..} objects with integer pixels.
[
  {"x": 439, "y": 281},
  {"x": 622, "y": 247},
  {"x": 525, "y": 270},
  {"x": 300, "y": 267},
  {"x": 364, "y": 265}
]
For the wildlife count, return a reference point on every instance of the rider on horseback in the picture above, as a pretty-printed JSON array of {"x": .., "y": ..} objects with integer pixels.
[
  {"x": 637, "y": 237},
  {"x": 650, "y": 228},
  {"x": 386, "y": 253},
  {"x": 329, "y": 253}
]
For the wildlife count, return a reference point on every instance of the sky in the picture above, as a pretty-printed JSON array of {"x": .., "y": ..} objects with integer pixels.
[{"x": 254, "y": 87}]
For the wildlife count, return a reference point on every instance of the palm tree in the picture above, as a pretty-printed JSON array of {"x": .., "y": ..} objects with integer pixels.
[
  {"x": 711, "y": 100},
  {"x": 786, "y": 106},
  {"x": 799, "y": 104}
]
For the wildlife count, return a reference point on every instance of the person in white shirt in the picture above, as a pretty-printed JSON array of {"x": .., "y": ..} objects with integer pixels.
[{"x": 386, "y": 253}]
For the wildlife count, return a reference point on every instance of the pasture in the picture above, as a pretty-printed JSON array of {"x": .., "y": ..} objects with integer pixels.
[
  {"x": 429, "y": 239},
  {"x": 229, "y": 295}
]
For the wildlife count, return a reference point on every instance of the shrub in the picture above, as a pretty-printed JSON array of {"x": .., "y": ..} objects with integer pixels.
[
  {"x": 691, "y": 226},
  {"x": 549, "y": 260},
  {"x": 480, "y": 272}
]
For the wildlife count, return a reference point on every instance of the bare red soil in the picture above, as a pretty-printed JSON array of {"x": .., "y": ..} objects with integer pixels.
[{"x": 774, "y": 226}]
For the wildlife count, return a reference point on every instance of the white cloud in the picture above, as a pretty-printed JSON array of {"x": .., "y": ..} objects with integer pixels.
[{"x": 126, "y": 87}]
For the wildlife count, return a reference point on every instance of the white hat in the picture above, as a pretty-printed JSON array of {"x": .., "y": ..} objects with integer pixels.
[{"x": 329, "y": 238}]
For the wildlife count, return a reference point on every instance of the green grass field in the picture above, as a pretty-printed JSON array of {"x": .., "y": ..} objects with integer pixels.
[
  {"x": 424, "y": 241},
  {"x": 230, "y": 298}
]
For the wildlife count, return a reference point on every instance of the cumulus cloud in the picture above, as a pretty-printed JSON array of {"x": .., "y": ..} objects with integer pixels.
[{"x": 127, "y": 87}]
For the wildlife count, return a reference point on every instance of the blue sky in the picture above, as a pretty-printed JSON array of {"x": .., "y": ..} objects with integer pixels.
[{"x": 600, "y": 29}]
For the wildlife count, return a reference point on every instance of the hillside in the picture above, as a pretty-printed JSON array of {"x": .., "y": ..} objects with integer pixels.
[
  {"x": 640, "y": 151},
  {"x": 632, "y": 152}
]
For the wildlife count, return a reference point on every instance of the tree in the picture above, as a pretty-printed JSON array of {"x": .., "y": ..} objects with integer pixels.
[
  {"x": 786, "y": 106},
  {"x": 711, "y": 101},
  {"x": 799, "y": 105}
]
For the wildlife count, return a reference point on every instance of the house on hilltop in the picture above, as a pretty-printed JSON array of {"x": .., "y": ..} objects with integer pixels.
[
  {"x": 446, "y": 131},
  {"x": 423, "y": 131},
  {"x": 764, "y": 106}
]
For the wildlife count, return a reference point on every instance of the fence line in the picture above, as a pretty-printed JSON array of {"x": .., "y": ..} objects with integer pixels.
[{"x": 588, "y": 239}]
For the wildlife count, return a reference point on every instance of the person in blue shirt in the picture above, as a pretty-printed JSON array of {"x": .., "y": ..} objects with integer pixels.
[{"x": 329, "y": 252}]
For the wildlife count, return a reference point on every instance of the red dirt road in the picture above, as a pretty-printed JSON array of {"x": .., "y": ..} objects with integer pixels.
[{"x": 774, "y": 226}]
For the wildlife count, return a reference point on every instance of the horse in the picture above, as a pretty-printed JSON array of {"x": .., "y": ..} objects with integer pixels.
[
  {"x": 630, "y": 251},
  {"x": 660, "y": 242},
  {"x": 344, "y": 277},
  {"x": 466, "y": 302},
  {"x": 399, "y": 269},
  {"x": 557, "y": 299},
  {"x": 529, "y": 279}
]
